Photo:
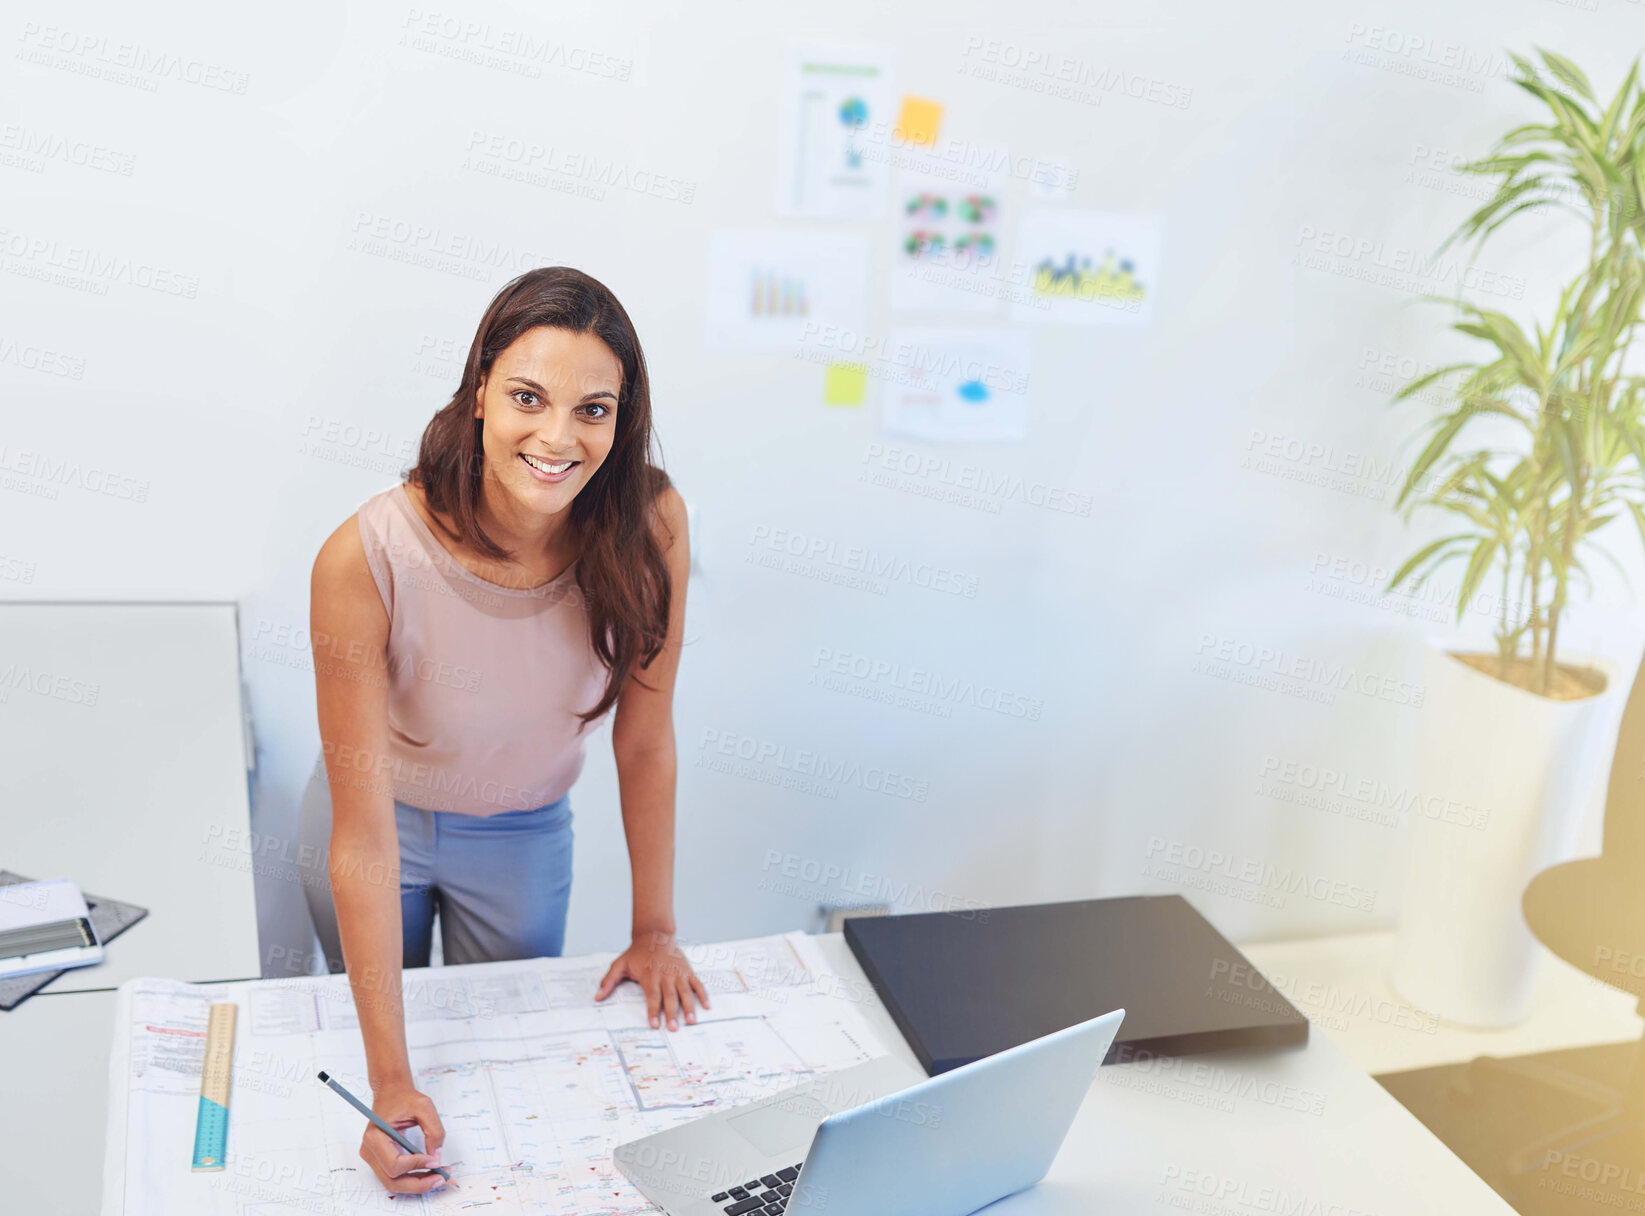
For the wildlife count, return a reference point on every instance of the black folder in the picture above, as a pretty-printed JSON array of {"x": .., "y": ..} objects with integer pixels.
[{"x": 966, "y": 984}]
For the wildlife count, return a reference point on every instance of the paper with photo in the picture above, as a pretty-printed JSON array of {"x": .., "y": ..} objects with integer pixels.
[
  {"x": 1087, "y": 267},
  {"x": 949, "y": 230},
  {"x": 957, "y": 385},
  {"x": 830, "y": 162},
  {"x": 766, "y": 286}
]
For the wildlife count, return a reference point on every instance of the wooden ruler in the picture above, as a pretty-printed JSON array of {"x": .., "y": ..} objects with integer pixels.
[{"x": 211, "y": 1123}]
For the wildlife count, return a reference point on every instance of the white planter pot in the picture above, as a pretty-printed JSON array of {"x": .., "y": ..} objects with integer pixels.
[{"x": 1530, "y": 764}]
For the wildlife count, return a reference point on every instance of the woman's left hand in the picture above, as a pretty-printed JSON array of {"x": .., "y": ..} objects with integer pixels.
[{"x": 659, "y": 967}]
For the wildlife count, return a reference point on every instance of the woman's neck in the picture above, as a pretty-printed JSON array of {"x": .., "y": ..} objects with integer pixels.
[{"x": 528, "y": 535}]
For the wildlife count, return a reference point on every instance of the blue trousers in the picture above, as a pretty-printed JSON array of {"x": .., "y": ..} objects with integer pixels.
[{"x": 499, "y": 884}]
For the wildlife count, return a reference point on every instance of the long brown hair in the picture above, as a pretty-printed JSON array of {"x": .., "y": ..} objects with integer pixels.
[{"x": 620, "y": 569}]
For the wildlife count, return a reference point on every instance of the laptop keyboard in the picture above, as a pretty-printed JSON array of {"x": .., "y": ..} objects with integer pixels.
[{"x": 767, "y": 1196}]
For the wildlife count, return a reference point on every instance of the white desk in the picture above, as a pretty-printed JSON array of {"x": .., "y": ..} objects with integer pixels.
[
  {"x": 123, "y": 766},
  {"x": 1342, "y": 983},
  {"x": 1304, "y": 1122},
  {"x": 54, "y": 1100},
  {"x": 1151, "y": 1134}
]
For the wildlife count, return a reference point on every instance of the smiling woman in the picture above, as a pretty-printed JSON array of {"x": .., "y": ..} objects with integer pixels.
[{"x": 478, "y": 620}]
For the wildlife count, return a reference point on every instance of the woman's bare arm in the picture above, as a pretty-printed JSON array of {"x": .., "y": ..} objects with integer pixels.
[
  {"x": 642, "y": 738},
  {"x": 349, "y": 626}
]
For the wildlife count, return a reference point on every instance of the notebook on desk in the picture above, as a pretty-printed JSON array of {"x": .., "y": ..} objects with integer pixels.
[{"x": 967, "y": 984}]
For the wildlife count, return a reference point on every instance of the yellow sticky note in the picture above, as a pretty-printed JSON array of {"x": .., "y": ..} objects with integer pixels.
[
  {"x": 845, "y": 384},
  {"x": 919, "y": 120}
]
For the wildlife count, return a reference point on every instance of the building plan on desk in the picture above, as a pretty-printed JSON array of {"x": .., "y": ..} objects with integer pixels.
[{"x": 534, "y": 1081}]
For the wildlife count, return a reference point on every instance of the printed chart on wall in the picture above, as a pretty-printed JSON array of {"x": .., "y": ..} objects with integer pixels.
[
  {"x": 535, "y": 1083},
  {"x": 1088, "y": 267},
  {"x": 959, "y": 386},
  {"x": 836, "y": 121},
  {"x": 949, "y": 225},
  {"x": 769, "y": 290}
]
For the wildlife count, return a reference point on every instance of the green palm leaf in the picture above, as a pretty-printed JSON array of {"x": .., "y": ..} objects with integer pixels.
[{"x": 1533, "y": 508}]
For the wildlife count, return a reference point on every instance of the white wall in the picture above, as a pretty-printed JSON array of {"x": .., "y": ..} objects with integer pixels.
[{"x": 212, "y": 406}]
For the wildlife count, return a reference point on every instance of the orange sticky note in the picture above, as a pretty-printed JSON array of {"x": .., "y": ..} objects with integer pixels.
[{"x": 919, "y": 120}]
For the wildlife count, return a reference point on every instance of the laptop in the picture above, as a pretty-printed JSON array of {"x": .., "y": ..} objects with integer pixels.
[{"x": 879, "y": 1138}]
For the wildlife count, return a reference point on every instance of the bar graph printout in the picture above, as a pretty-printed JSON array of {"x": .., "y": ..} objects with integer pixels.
[{"x": 535, "y": 1082}]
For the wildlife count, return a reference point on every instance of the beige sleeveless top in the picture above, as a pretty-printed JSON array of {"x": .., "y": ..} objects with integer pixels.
[{"x": 483, "y": 680}]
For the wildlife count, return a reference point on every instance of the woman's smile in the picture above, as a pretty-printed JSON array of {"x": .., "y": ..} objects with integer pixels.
[{"x": 544, "y": 470}]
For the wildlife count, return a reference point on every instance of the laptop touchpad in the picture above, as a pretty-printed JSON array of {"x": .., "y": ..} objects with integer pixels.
[{"x": 782, "y": 1126}]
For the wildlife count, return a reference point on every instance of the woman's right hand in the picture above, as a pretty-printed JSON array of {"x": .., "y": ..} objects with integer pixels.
[{"x": 402, "y": 1106}]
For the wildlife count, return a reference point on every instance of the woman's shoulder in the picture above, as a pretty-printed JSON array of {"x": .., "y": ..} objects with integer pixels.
[
  {"x": 393, "y": 522},
  {"x": 341, "y": 564},
  {"x": 408, "y": 500},
  {"x": 385, "y": 502},
  {"x": 351, "y": 559},
  {"x": 347, "y": 596},
  {"x": 668, "y": 514}
]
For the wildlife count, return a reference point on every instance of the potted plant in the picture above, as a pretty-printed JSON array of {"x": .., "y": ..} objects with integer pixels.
[{"x": 1540, "y": 447}]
